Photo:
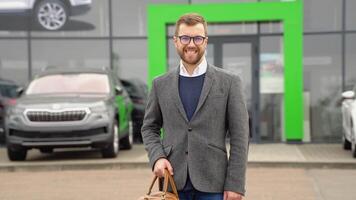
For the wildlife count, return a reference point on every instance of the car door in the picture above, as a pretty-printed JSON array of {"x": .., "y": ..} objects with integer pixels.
[
  {"x": 346, "y": 108},
  {"x": 124, "y": 106},
  {"x": 14, "y": 5}
]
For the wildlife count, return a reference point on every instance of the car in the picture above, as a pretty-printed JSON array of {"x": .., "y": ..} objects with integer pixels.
[
  {"x": 348, "y": 109},
  {"x": 63, "y": 108},
  {"x": 7, "y": 97},
  {"x": 137, "y": 90},
  {"x": 47, "y": 14}
]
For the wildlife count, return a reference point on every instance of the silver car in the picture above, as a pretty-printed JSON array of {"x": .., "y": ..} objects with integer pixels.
[
  {"x": 47, "y": 14},
  {"x": 348, "y": 108}
]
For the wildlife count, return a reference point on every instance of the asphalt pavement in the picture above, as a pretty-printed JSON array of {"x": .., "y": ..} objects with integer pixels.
[
  {"x": 260, "y": 155},
  {"x": 128, "y": 184}
]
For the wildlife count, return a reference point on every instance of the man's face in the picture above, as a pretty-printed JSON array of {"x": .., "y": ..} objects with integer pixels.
[{"x": 190, "y": 53}]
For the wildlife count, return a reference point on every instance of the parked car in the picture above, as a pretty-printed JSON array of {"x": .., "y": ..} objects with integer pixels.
[
  {"x": 70, "y": 108},
  {"x": 47, "y": 14},
  {"x": 7, "y": 97},
  {"x": 348, "y": 108},
  {"x": 137, "y": 90}
]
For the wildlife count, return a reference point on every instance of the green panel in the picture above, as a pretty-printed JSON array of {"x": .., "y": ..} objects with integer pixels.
[{"x": 289, "y": 12}]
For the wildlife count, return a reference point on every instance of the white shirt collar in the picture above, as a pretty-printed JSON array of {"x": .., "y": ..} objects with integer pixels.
[{"x": 199, "y": 70}]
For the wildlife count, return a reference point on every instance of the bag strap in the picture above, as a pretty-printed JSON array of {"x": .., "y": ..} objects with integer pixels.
[{"x": 168, "y": 179}]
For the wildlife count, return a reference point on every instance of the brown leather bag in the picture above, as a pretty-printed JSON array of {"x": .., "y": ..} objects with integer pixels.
[{"x": 162, "y": 195}]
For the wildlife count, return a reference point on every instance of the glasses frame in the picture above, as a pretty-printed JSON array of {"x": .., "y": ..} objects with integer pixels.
[{"x": 190, "y": 39}]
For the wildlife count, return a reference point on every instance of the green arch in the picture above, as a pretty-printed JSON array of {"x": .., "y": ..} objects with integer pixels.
[{"x": 289, "y": 12}]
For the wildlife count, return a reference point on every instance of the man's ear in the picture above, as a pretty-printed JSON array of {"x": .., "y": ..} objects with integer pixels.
[{"x": 175, "y": 40}]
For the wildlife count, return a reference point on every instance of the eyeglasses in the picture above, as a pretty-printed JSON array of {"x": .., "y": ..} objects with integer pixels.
[{"x": 185, "y": 39}]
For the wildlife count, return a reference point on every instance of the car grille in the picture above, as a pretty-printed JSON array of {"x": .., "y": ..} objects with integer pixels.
[
  {"x": 48, "y": 116},
  {"x": 71, "y": 134}
]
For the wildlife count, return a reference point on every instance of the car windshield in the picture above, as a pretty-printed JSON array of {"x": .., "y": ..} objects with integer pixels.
[
  {"x": 8, "y": 91},
  {"x": 83, "y": 83}
]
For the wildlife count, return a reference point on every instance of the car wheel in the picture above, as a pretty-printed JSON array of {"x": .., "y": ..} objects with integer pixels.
[
  {"x": 127, "y": 141},
  {"x": 112, "y": 149},
  {"x": 346, "y": 143},
  {"x": 16, "y": 154},
  {"x": 51, "y": 14}
]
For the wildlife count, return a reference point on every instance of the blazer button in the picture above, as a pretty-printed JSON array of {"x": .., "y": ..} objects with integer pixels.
[
  {"x": 190, "y": 129},
  {"x": 186, "y": 152}
]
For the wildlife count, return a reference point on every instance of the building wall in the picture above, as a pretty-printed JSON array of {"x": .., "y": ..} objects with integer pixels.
[{"x": 113, "y": 33}]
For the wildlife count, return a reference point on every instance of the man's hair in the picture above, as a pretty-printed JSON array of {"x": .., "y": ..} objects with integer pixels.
[{"x": 191, "y": 19}]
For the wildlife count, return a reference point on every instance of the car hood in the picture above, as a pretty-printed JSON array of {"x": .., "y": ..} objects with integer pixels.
[{"x": 60, "y": 99}]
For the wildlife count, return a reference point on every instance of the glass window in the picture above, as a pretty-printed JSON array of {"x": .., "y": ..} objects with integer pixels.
[
  {"x": 130, "y": 17},
  {"x": 271, "y": 27},
  {"x": 271, "y": 88},
  {"x": 69, "y": 53},
  {"x": 130, "y": 59},
  {"x": 322, "y": 83},
  {"x": 225, "y": 29},
  {"x": 350, "y": 59},
  {"x": 350, "y": 15},
  {"x": 88, "y": 20},
  {"x": 322, "y": 15},
  {"x": 14, "y": 60}
]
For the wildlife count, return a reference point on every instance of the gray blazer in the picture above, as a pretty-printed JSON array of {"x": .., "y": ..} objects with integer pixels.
[{"x": 199, "y": 145}]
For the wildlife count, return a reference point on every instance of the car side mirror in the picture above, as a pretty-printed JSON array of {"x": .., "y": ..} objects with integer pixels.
[
  {"x": 348, "y": 95},
  {"x": 118, "y": 90},
  {"x": 19, "y": 91}
]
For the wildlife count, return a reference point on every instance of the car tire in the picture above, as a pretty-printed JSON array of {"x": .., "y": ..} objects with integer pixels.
[
  {"x": 127, "y": 141},
  {"x": 47, "y": 20},
  {"x": 112, "y": 149},
  {"x": 346, "y": 144},
  {"x": 16, "y": 154}
]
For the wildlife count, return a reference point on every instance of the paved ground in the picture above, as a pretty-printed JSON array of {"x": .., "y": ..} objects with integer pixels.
[
  {"x": 276, "y": 155},
  {"x": 126, "y": 184}
]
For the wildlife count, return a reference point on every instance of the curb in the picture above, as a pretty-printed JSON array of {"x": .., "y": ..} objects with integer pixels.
[{"x": 38, "y": 167}]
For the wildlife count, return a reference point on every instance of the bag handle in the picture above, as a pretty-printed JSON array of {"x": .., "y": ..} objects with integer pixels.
[{"x": 167, "y": 179}]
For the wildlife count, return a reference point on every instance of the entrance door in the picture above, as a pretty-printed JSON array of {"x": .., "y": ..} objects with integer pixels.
[{"x": 239, "y": 55}]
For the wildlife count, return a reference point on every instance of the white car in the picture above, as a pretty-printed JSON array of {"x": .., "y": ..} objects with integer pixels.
[
  {"x": 47, "y": 14},
  {"x": 348, "y": 108}
]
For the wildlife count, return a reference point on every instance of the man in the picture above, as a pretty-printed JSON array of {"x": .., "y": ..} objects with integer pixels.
[{"x": 196, "y": 105}]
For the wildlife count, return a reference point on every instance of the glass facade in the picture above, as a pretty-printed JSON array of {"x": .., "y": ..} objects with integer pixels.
[{"x": 112, "y": 33}]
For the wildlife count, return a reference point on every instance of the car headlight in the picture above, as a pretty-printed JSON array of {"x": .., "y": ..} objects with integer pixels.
[
  {"x": 99, "y": 107},
  {"x": 15, "y": 110}
]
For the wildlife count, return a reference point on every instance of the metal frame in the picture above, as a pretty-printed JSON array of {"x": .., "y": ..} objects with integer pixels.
[{"x": 255, "y": 74}]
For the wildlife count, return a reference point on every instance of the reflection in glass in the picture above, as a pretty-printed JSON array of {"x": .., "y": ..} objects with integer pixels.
[
  {"x": 350, "y": 60},
  {"x": 271, "y": 88},
  {"x": 87, "y": 20},
  {"x": 14, "y": 60},
  {"x": 322, "y": 15},
  {"x": 322, "y": 82},
  {"x": 130, "y": 59},
  {"x": 69, "y": 53}
]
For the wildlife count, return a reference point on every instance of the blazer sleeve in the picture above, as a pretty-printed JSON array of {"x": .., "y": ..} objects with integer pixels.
[
  {"x": 237, "y": 122},
  {"x": 152, "y": 124}
]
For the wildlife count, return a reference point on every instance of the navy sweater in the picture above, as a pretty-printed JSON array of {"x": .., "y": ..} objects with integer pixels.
[{"x": 189, "y": 92}]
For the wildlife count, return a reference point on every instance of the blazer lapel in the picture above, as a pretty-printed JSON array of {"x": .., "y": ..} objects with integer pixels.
[
  {"x": 208, "y": 82},
  {"x": 175, "y": 95}
]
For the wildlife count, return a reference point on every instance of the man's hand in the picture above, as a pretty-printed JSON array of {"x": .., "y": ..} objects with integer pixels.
[
  {"x": 160, "y": 165},
  {"x": 228, "y": 195}
]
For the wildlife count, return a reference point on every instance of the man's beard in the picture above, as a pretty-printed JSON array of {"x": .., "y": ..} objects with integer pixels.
[{"x": 191, "y": 61}]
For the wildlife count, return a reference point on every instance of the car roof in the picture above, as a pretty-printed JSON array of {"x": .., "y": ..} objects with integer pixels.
[{"x": 71, "y": 70}]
